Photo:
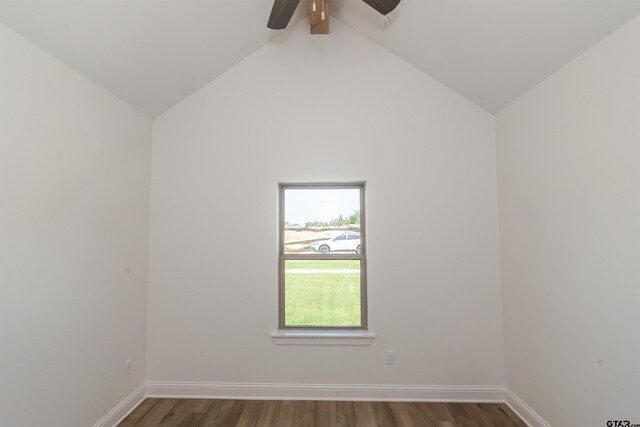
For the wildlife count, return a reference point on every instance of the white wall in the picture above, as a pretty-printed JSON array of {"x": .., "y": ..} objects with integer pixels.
[
  {"x": 569, "y": 187},
  {"x": 325, "y": 109},
  {"x": 75, "y": 203}
]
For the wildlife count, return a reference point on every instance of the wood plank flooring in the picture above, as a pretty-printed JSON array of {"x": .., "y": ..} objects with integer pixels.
[{"x": 271, "y": 413}]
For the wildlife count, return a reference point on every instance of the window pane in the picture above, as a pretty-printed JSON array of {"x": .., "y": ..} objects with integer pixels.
[
  {"x": 322, "y": 293},
  {"x": 322, "y": 220}
]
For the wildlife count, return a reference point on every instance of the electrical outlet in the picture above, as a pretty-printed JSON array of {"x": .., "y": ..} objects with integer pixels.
[
  {"x": 390, "y": 357},
  {"x": 128, "y": 366}
]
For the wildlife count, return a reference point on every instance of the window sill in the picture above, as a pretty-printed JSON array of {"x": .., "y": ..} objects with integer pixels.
[{"x": 320, "y": 337}]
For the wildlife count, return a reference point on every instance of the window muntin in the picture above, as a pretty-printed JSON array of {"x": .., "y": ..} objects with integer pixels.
[{"x": 322, "y": 256}]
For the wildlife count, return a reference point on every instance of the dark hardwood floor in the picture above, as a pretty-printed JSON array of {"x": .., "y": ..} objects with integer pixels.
[{"x": 246, "y": 413}]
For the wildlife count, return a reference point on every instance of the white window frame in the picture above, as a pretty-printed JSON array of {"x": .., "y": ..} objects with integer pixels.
[{"x": 362, "y": 257}]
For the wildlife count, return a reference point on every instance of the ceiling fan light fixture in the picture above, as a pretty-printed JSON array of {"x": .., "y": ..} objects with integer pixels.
[{"x": 283, "y": 10}]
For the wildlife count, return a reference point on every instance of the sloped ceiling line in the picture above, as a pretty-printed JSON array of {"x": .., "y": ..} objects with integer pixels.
[{"x": 153, "y": 54}]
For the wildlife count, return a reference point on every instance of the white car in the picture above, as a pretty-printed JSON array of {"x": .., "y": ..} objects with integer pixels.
[{"x": 342, "y": 242}]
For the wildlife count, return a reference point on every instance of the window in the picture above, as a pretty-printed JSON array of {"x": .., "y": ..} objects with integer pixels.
[{"x": 322, "y": 262}]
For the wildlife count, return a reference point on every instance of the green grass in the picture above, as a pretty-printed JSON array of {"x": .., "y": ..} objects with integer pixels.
[{"x": 322, "y": 299}]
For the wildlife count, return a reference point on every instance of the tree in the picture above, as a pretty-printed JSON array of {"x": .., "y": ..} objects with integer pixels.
[{"x": 355, "y": 218}]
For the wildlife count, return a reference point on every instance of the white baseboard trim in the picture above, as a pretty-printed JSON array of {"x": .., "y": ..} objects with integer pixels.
[
  {"x": 263, "y": 391},
  {"x": 124, "y": 408},
  {"x": 523, "y": 410},
  {"x": 266, "y": 391}
]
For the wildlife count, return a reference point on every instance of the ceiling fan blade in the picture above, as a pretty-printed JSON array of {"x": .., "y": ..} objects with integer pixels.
[
  {"x": 281, "y": 13},
  {"x": 383, "y": 6}
]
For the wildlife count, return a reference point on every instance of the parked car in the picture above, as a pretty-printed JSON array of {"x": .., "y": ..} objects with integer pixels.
[{"x": 342, "y": 242}]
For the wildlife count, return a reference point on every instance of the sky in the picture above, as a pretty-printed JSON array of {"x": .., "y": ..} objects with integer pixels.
[{"x": 308, "y": 205}]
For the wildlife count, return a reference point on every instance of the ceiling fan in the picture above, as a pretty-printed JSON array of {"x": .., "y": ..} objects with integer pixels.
[{"x": 283, "y": 10}]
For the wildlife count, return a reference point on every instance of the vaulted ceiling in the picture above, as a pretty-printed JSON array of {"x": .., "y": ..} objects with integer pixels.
[{"x": 154, "y": 53}]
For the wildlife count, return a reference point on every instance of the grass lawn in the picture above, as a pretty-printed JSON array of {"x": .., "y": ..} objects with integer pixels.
[{"x": 322, "y": 299}]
